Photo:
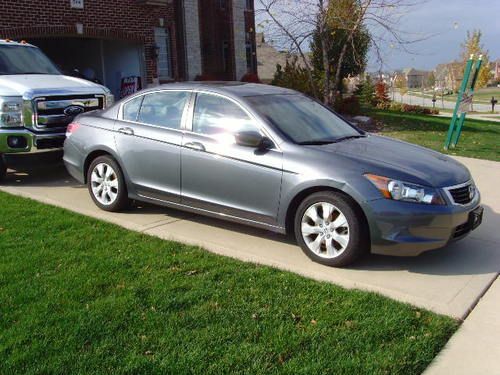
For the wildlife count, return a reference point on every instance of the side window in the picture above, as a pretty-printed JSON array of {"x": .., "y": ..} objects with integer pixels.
[
  {"x": 163, "y": 108},
  {"x": 131, "y": 109},
  {"x": 220, "y": 118}
]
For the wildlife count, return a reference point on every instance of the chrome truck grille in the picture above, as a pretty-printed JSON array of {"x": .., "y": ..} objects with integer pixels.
[{"x": 56, "y": 112}]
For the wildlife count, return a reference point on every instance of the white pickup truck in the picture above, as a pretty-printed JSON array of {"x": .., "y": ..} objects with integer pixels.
[{"x": 37, "y": 102}]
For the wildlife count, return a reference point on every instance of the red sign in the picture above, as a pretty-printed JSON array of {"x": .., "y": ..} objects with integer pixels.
[{"x": 129, "y": 86}]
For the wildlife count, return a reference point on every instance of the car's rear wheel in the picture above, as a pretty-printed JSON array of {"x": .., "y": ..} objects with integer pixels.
[
  {"x": 3, "y": 168},
  {"x": 330, "y": 229},
  {"x": 106, "y": 184}
]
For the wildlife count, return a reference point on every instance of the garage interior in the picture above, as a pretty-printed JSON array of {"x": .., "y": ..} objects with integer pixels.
[{"x": 104, "y": 61}]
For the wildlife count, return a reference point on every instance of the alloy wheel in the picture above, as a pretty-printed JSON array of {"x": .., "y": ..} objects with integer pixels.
[
  {"x": 104, "y": 183},
  {"x": 325, "y": 230}
]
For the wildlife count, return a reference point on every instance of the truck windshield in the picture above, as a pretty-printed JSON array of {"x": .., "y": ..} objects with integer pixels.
[{"x": 16, "y": 59}]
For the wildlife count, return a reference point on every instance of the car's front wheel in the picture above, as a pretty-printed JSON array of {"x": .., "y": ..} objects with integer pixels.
[
  {"x": 330, "y": 229},
  {"x": 106, "y": 184}
]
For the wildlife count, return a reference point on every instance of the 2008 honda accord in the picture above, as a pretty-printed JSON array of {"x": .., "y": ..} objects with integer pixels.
[{"x": 275, "y": 159}]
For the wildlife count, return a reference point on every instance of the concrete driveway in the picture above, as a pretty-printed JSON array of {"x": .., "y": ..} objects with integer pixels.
[{"x": 448, "y": 281}]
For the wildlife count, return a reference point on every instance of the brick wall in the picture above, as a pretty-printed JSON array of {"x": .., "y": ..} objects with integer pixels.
[
  {"x": 192, "y": 32},
  {"x": 108, "y": 19}
]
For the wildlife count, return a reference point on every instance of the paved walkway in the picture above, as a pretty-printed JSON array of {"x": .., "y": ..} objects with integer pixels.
[
  {"x": 473, "y": 117},
  {"x": 447, "y": 281},
  {"x": 475, "y": 348}
]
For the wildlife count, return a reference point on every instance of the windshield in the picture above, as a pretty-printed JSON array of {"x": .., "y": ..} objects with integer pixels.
[
  {"x": 17, "y": 59},
  {"x": 302, "y": 119}
]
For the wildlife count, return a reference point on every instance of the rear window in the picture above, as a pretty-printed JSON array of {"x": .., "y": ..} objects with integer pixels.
[
  {"x": 163, "y": 109},
  {"x": 131, "y": 109}
]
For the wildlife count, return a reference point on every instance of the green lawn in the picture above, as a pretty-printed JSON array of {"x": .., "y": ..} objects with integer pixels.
[
  {"x": 80, "y": 296},
  {"x": 479, "y": 139}
]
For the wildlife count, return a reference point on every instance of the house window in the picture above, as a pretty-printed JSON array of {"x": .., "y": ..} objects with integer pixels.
[
  {"x": 225, "y": 55},
  {"x": 249, "y": 55},
  {"x": 164, "y": 60}
]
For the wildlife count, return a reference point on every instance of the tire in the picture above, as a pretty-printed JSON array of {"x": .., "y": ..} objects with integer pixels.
[
  {"x": 106, "y": 184},
  {"x": 337, "y": 241},
  {"x": 3, "y": 168}
]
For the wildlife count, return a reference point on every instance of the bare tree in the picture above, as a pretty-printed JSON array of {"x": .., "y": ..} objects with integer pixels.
[{"x": 291, "y": 24}]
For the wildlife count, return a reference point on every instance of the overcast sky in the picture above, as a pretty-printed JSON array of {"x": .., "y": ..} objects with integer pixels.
[{"x": 447, "y": 21}]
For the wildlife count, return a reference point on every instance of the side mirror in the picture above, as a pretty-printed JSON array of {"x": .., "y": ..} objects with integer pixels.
[{"x": 253, "y": 139}]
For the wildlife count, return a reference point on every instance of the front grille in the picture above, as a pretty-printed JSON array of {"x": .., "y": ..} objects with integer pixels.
[
  {"x": 463, "y": 194},
  {"x": 56, "y": 112}
]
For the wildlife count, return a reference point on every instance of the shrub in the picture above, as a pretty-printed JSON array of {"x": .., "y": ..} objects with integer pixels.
[
  {"x": 383, "y": 105},
  {"x": 348, "y": 106},
  {"x": 408, "y": 108},
  {"x": 365, "y": 92},
  {"x": 293, "y": 76},
  {"x": 382, "y": 94},
  {"x": 205, "y": 77},
  {"x": 251, "y": 78},
  {"x": 396, "y": 106}
]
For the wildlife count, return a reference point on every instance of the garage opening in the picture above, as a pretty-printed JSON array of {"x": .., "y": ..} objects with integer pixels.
[{"x": 104, "y": 61}]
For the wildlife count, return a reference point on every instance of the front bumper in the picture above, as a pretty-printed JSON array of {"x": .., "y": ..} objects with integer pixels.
[
  {"x": 30, "y": 141},
  {"x": 409, "y": 229}
]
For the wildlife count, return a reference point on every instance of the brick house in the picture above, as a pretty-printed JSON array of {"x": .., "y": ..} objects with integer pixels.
[{"x": 157, "y": 40}]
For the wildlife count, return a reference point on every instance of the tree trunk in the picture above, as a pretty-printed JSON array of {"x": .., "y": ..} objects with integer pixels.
[
  {"x": 326, "y": 68},
  {"x": 338, "y": 71}
]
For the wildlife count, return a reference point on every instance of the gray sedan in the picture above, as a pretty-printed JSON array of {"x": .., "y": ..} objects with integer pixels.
[{"x": 275, "y": 159}]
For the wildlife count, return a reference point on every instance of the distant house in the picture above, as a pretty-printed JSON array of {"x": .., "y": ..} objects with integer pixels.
[
  {"x": 449, "y": 76},
  {"x": 267, "y": 58},
  {"x": 495, "y": 70},
  {"x": 416, "y": 78}
]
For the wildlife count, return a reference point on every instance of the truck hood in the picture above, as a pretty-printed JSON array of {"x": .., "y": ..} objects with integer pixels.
[
  {"x": 33, "y": 85},
  {"x": 402, "y": 160}
]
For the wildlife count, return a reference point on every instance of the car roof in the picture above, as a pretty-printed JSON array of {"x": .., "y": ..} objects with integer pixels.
[{"x": 231, "y": 88}]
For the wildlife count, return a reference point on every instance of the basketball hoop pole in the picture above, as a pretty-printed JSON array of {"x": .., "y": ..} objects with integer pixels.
[
  {"x": 459, "y": 113},
  {"x": 471, "y": 94}
]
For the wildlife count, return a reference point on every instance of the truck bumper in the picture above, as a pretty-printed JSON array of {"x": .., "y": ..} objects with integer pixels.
[{"x": 17, "y": 141}]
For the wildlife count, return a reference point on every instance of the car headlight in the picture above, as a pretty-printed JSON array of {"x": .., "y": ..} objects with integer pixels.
[
  {"x": 405, "y": 191},
  {"x": 11, "y": 114}
]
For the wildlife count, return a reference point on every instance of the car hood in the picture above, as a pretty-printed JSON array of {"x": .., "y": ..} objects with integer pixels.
[
  {"x": 402, "y": 160},
  {"x": 32, "y": 85}
]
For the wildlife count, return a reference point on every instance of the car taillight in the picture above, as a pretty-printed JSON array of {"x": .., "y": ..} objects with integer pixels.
[{"x": 72, "y": 128}]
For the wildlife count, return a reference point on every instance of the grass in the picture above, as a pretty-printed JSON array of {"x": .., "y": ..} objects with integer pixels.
[
  {"x": 82, "y": 296},
  {"x": 479, "y": 139}
]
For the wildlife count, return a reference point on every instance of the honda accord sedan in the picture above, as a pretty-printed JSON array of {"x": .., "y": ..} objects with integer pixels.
[{"x": 275, "y": 159}]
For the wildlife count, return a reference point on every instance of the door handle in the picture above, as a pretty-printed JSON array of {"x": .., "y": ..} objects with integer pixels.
[
  {"x": 127, "y": 131},
  {"x": 195, "y": 146}
]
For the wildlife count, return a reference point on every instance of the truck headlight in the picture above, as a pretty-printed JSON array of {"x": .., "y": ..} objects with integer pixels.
[
  {"x": 11, "y": 114},
  {"x": 405, "y": 191},
  {"x": 109, "y": 98}
]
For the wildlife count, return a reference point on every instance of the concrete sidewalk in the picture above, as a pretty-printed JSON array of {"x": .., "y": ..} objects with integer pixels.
[
  {"x": 489, "y": 117},
  {"x": 475, "y": 348},
  {"x": 448, "y": 281}
]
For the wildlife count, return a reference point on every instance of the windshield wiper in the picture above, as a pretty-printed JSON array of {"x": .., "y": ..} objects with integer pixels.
[
  {"x": 329, "y": 141},
  {"x": 317, "y": 142},
  {"x": 350, "y": 137}
]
